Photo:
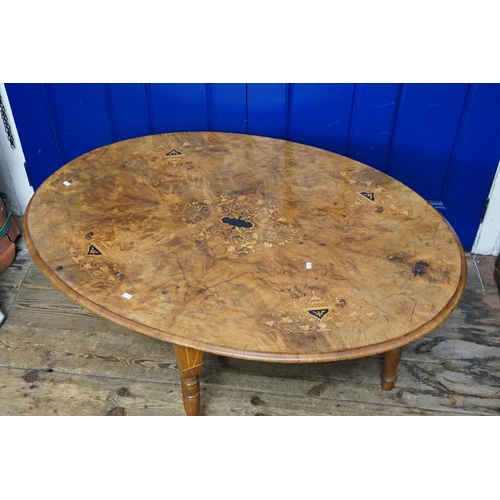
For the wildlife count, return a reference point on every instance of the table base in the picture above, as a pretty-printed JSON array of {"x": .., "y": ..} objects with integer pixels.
[{"x": 190, "y": 360}]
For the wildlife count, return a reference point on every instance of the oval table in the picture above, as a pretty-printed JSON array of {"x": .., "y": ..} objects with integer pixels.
[{"x": 246, "y": 246}]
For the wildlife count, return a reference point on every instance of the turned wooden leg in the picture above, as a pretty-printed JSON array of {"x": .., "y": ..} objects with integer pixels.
[
  {"x": 391, "y": 362},
  {"x": 189, "y": 362}
]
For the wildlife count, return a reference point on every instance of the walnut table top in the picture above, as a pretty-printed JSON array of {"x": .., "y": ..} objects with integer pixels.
[{"x": 246, "y": 246}]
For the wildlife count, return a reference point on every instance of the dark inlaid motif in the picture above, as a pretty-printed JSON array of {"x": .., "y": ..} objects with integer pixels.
[
  {"x": 237, "y": 222},
  {"x": 369, "y": 194},
  {"x": 318, "y": 313},
  {"x": 93, "y": 250},
  {"x": 174, "y": 156}
]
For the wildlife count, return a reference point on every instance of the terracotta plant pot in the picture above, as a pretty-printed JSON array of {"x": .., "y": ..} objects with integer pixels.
[{"x": 9, "y": 232}]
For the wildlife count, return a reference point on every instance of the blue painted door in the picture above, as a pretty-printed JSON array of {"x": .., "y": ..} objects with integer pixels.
[{"x": 442, "y": 140}]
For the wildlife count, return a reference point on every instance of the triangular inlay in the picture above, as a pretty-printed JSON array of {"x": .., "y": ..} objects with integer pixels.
[
  {"x": 174, "y": 152},
  {"x": 370, "y": 196},
  {"x": 93, "y": 250},
  {"x": 318, "y": 313}
]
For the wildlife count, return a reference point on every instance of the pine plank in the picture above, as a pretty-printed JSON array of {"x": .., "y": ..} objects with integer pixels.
[
  {"x": 12, "y": 278},
  {"x": 94, "y": 353},
  {"x": 49, "y": 394},
  {"x": 459, "y": 386},
  {"x": 223, "y": 402},
  {"x": 456, "y": 387},
  {"x": 40, "y": 303}
]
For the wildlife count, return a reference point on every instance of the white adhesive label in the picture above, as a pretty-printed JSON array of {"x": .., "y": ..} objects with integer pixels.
[
  {"x": 127, "y": 296},
  {"x": 309, "y": 265},
  {"x": 66, "y": 183}
]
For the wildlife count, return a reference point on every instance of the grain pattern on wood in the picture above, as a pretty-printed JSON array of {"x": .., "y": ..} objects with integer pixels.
[
  {"x": 40, "y": 303},
  {"x": 60, "y": 394},
  {"x": 468, "y": 386},
  {"x": 12, "y": 278},
  {"x": 457, "y": 387},
  {"x": 99, "y": 353},
  {"x": 223, "y": 402},
  {"x": 209, "y": 233}
]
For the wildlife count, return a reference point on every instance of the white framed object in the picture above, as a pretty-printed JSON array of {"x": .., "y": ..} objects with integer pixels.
[{"x": 488, "y": 235}]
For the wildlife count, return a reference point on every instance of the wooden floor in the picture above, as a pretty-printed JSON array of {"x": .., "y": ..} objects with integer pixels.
[{"x": 57, "y": 358}]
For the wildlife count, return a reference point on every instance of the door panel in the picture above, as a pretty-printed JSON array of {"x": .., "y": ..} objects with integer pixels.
[
  {"x": 320, "y": 115},
  {"x": 227, "y": 107},
  {"x": 268, "y": 110},
  {"x": 73, "y": 108},
  {"x": 428, "y": 121},
  {"x": 373, "y": 123},
  {"x": 176, "y": 107},
  {"x": 129, "y": 108},
  {"x": 443, "y": 140},
  {"x": 36, "y": 131}
]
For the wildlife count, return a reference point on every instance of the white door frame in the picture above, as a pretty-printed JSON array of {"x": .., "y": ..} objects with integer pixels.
[
  {"x": 488, "y": 235},
  {"x": 12, "y": 162}
]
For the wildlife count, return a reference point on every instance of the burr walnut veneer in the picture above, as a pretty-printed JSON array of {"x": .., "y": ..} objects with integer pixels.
[{"x": 249, "y": 247}]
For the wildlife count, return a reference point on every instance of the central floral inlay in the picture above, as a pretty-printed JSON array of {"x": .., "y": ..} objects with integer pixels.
[{"x": 237, "y": 224}]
